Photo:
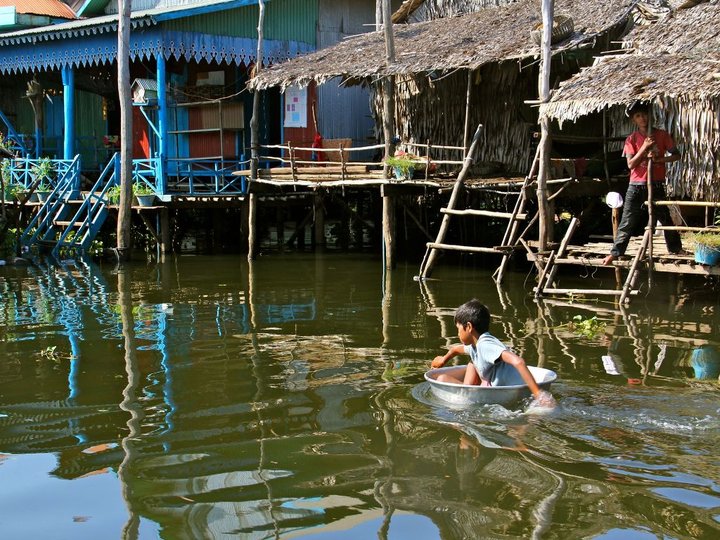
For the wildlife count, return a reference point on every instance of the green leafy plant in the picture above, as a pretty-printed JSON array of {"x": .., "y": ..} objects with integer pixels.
[
  {"x": 708, "y": 239},
  {"x": 6, "y": 171},
  {"x": 113, "y": 195},
  {"x": 18, "y": 191},
  {"x": 5, "y": 143},
  {"x": 404, "y": 163},
  {"x": 589, "y": 328},
  {"x": 43, "y": 169},
  {"x": 142, "y": 188}
]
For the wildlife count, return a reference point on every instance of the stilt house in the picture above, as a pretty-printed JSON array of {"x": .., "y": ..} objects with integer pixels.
[{"x": 190, "y": 60}]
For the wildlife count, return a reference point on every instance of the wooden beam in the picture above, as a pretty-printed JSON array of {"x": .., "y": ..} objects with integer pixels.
[
  {"x": 486, "y": 213},
  {"x": 454, "y": 247}
]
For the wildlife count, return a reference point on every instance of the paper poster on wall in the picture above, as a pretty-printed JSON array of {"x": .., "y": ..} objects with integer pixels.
[{"x": 296, "y": 107}]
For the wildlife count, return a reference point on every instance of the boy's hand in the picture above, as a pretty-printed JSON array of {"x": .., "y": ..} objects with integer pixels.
[
  {"x": 544, "y": 399},
  {"x": 438, "y": 362}
]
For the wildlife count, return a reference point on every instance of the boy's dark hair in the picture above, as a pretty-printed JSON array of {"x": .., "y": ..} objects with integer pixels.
[
  {"x": 638, "y": 106},
  {"x": 474, "y": 312}
]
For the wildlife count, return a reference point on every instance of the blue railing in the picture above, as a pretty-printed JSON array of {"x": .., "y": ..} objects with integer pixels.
[
  {"x": 191, "y": 176},
  {"x": 90, "y": 216},
  {"x": 22, "y": 171},
  {"x": 64, "y": 185}
]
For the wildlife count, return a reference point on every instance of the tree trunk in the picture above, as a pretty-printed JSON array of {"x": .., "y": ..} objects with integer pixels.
[{"x": 124, "y": 237}]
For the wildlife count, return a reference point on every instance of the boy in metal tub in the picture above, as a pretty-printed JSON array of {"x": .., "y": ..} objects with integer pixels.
[{"x": 491, "y": 362}]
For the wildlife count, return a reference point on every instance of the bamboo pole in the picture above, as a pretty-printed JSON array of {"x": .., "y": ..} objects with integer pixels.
[
  {"x": 468, "y": 97},
  {"x": 545, "y": 224},
  {"x": 647, "y": 238},
  {"x": 543, "y": 273},
  {"x": 552, "y": 270},
  {"x": 429, "y": 261},
  {"x": 651, "y": 213},
  {"x": 255, "y": 135}
]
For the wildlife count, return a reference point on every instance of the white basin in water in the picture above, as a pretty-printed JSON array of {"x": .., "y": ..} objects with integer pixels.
[{"x": 468, "y": 394}]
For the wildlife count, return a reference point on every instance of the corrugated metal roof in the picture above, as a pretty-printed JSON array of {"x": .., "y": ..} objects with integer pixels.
[
  {"x": 108, "y": 23},
  {"x": 50, "y": 8}
]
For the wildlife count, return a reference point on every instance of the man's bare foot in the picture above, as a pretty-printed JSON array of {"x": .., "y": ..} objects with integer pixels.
[{"x": 608, "y": 260}]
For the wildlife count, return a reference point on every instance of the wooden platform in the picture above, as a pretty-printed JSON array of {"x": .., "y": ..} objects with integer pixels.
[{"x": 593, "y": 253}]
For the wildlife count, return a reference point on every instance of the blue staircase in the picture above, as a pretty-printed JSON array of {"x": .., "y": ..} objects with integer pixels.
[
  {"x": 68, "y": 223},
  {"x": 17, "y": 145}
]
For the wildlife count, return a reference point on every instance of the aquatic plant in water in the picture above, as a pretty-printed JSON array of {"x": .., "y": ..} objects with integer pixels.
[{"x": 589, "y": 328}]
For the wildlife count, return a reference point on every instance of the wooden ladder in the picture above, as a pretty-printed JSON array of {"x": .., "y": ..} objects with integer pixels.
[
  {"x": 517, "y": 215},
  {"x": 546, "y": 280}
]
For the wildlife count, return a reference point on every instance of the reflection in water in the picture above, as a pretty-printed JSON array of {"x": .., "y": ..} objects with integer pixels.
[
  {"x": 280, "y": 398},
  {"x": 129, "y": 404}
]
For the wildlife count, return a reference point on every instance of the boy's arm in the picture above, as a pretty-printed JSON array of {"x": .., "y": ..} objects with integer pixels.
[
  {"x": 440, "y": 361},
  {"x": 518, "y": 363}
]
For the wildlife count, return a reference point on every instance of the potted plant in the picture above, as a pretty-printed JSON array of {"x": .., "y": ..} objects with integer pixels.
[
  {"x": 43, "y": 191},
  {"x": 144, "y": 194},
  {"x": 113, "y": 195},
  {"x": 707, "y": 247},
  {"x": 18, "y": 192},
  {"x": 404, "y": 164}
]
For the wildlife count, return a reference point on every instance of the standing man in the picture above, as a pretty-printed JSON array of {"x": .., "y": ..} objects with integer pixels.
[{"x": 641, "y": 147}]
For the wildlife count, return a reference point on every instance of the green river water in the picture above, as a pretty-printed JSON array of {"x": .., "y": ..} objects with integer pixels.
[{"x": 206, "y": 397}]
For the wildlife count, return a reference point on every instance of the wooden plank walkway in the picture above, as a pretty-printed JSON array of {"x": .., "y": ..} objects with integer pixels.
[{"x": 593, "y": 253}]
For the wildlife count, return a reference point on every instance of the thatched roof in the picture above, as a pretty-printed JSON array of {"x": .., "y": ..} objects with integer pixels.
[
  {"x": 465, "y": 42},
  {"x": 677, "y": 57}
]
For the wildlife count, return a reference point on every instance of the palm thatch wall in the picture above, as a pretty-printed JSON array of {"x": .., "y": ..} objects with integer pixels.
[
  {"x": 675, "y": 65},
  {"x": 433, "y": 60},
  {"x": 434, "y": 111}
]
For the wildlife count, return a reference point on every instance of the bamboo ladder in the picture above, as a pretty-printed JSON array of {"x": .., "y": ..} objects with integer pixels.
[
  {"x": 439, "y": 244},
  {"x": 546, "y": 279}
]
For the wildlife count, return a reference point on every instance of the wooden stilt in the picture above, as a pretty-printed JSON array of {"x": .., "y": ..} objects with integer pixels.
[
  {"x": 319, "y": 221},
  {"x": 388, "y": 228},
  {"x": 164, "y": 230},
  {"x": 629, "y": 282},
  {"x": 511, "y": 231},
  {"x": 252, "y": 210},
  {"x": 550, "y": 268}
]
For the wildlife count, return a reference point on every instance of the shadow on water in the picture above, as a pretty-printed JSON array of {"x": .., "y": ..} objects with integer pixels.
[{"x": 211, "y": 397}]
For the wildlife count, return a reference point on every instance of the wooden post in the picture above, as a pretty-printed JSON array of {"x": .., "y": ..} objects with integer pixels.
[
  {"x": 468, "y": 97},
  {"x": 252, "y": 211},
  {"x": 545, "y": 233},
  {"x": 651, "y": 214},
  {"x": 389, "y": 132},
  {"x": 615, "y": 225},
  {"x": 164, "y": 230},
  {"x": 427, "y": 159},
  {"x": 319, "y": 210},
  {"x": 255, "y": 135},
  {"x": 124, "y": 237},
  {"x": 388, "y": 227}
]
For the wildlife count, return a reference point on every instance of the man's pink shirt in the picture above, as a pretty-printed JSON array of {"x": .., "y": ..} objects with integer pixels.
[{"x": 663, "y": 143}]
